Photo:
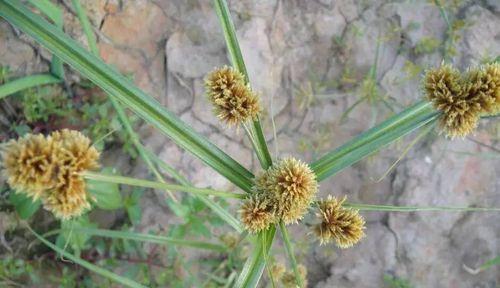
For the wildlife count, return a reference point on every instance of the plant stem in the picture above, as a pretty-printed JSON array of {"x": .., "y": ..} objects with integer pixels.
[
  {"x": 291, "y": 254},
  {"x": 158, "y": 185},
  {"x": 391, "y": 208}
]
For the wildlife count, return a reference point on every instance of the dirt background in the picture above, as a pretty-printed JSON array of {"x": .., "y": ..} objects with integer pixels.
[{"x": 307, "y": 59}]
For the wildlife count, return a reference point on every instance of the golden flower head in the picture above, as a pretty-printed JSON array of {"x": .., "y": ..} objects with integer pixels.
[
  {"x": 29, "y": 164},
  {"x": 343, "y": 225},
  {"x": 277, "y": 270},
  {"x": 292, "y": 186},
  {"x": 234, "y": 102},
  {"x": 48, "y": 167},
  {"x": 483, "y": 86},
  {"x": 256, "y": 214},
  {"x": 447, "y": 91},
  {"x": 289, "y": 281}
]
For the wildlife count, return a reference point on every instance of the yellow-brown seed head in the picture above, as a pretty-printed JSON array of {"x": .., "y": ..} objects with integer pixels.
[
  {"x": 234, "y": 102},
  {"x": 289, "y": 281},
  {"x": 277, "y": 270},
  {"x": 292, "y": 186},
  {"x": 30, "y": 164},
  {"x": 343, "y": 225},
  {"x": 48, "y": 167},
  {"x": 256, "y": 214},
  {"x": 447, "y": 91},
  {"x": 483, "y": 86}
]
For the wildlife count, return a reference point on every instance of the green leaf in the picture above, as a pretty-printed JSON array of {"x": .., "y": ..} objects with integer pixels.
[
  {"x": 291, "y": 254},
  {"x": 372, "y": 140},
  {"x": 150, "y": 238},
  {"x": 93, "y": 268},
  {"x": 391, "y": 208},
  {"x": 133, "y": 205},
  {"x": 106, "y": 194},
  {"x": 255, "y": 264},
  {"x": 17, "y": 85},
  {"x": 115, "y": 84},
  {"x": 24, "y": 205},
  {"x": 72, "y": 237},
  {"x": 255, "y": 132}
]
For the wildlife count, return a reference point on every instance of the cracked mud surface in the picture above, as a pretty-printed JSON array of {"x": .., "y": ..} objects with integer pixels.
[{"x": 327, "y": 47}]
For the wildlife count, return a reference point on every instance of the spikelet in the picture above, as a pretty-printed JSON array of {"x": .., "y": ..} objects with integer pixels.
[
  {"x": 447, "y": 91},
  {"x": 292, "y": 186},
  {"x": 288, "y": 280},
  {"x": 234, "y": 102},
  {"x": 483, "y": 87},
  {"x": 256, "y": 214},
  {"x": 48, "y": 168},
  {"x": 30, "y": 164},
  {"x": 343, "y": 225},
  {"x": 277, "y": 270}
]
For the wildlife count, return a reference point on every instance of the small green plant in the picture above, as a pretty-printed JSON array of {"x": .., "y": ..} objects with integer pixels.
[{"x": 396, "y": 282}]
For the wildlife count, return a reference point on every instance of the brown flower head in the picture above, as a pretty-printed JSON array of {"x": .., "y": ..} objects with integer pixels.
[
  {"x": 447, "y": 91},
  {"x": 48, "y": 168},
  {"x": 343, "y": 225},
  {"x": 483, "y": 86},
  {"x": 29, "y": 164},
  {"x": 256, "y": 214},
  {"x": 277, "y": 270},
  {"x": 234, "y": 102},
  {"x": 292, "y": 186},
  {"x": 289, "y": 280}
]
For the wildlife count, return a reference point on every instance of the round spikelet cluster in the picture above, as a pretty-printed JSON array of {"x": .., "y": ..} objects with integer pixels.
[
  {"x": 289, "y": 280},
  {"x": 284, "y": 192},
  {"x": 234, "y": 102},
  {"x": 48, "y": 167},
  {"x": 463, "y": 99},
  {"x": 337, "y": 223}
]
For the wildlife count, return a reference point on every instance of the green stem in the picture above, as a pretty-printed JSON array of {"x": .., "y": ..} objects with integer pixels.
[
  {"x": 391, "y": 208},
  {"x": 158, "y": 185},
  {"x": 291, "y": 254}
]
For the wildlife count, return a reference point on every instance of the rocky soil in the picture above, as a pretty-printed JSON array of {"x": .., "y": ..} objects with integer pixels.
[{"x": 307, "y": 60}]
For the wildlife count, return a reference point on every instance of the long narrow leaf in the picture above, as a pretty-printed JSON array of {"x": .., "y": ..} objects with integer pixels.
[
  {"x": 372, "y": 140},
  {"x": 255, "y": 264},
  {"x": 392, "y": 208},
  {"x": 98, "y": 270},
  {"x": 115, "y": 84},
  {"x": 291, "y": 254},
  {"x": 150, "y": 238},
  {"x": 159, "y": 185},
  {"x": 256, "y": 135},
  {"x": 17, "y": 85}
]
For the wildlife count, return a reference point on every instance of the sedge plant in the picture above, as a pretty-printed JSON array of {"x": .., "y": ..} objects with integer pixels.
[{"x": 55, "y": 168}]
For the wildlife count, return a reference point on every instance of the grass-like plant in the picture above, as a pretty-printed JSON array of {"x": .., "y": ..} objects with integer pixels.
[{"x": 54, "y": 167}]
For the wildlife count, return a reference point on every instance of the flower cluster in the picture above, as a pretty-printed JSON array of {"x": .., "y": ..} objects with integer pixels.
[
  {"x": 462, "y": 99},
  {"x": 283, "y": 192},
  {"x": 340, "y": 224},
  {"x": 234, "y": 102},
  {"x": 48, "y": 167}
]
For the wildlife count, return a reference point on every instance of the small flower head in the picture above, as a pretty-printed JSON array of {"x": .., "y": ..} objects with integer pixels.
[
  {"x": 343, "y": 225},
  {"x": 220, "y": 82},
  {"x": 30, "y": 164},
  {"x": 277, "y": 270},
  {"x": 448, "y": 93},
  {"x": 293, "y": 186},
  {"x": 256, "y": 214},
  {"x": 484, "y": 87},
  {"x": 289, "y": 280},
  {"x": 48, "y": 167},
  {"x": 234, "y": 102}
]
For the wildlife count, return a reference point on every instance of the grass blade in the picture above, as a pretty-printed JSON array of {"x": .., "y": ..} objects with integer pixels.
[
  {"x": 159, "y": 185},
  {"x": 372, "y": 140},
  {"x": 255, "y": 264},
  {"x": 391, "y": 208},
  {"x": 150, "y": 238},
  {"x": 115, "y": 84},
  {"x": 291, "y": 254},
  {"x": 17, "y": 85},
  {"x": 87, "y": 28},
  {"x": 255, "y": 130},
  {"x": 98, "y": 270}
]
